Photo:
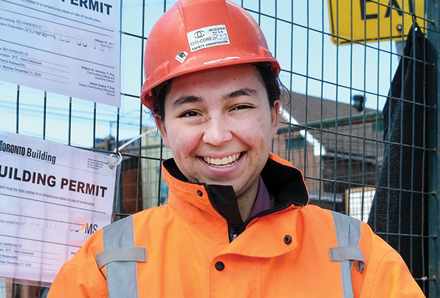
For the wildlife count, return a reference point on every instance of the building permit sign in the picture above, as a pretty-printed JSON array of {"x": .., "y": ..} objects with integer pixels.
[
  {"x": 372, "y": 20},
  {"x": 52, "y": 198},
  {"x": 69, "y": 47}
]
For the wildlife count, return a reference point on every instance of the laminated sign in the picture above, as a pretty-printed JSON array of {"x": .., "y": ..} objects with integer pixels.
[
  {"x": 70, "y": 47},
  {"x": 52, "y": 198}
]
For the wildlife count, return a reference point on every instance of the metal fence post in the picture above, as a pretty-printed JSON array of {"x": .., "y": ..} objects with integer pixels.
[{"x": 433, "y": 96}]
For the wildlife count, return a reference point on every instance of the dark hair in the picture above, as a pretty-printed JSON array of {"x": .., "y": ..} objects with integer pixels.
[
  {"x": 159, "y": 104},
  {"x": 270, "y": 81},
  {"x": 268, "y": 75}
]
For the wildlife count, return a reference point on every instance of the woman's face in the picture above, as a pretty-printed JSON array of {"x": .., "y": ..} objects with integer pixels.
[{"x": 219, "y": 126}]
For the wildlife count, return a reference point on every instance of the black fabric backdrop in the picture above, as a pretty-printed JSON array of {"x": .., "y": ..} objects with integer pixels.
[{"x": 398, "y": 206}]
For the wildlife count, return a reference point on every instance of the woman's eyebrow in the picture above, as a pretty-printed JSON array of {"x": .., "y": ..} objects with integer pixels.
[
  {"x": 187, "y": 99},
  {"x": 241, "y": 92},
  {"x": 193, "y": 99}
]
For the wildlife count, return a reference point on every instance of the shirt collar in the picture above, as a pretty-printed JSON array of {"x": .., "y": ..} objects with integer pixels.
[{"x": 264, "y": 201}]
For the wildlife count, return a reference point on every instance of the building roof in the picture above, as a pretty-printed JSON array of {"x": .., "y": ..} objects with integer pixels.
[{"x": 339, "y": 127}]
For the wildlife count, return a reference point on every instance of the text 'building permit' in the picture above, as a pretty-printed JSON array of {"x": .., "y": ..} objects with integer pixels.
[{"x": 97, "y": 6}]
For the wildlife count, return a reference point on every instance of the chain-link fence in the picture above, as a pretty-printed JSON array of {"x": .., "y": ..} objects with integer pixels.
[{"x": 357, "y": 118}]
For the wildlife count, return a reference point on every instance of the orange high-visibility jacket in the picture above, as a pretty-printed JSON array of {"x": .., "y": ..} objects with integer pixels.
[{"x": 280, "y": 253}]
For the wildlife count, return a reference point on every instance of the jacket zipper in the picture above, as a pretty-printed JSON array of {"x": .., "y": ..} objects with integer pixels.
[
  {"x": 232, "y": 233},
  {"x": 231, "y": 230}
]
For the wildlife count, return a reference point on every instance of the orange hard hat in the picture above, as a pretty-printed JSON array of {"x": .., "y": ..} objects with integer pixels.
[{"x": 195, "y": 35}]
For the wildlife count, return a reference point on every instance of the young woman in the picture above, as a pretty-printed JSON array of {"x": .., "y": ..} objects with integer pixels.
[{"x": 237, "y": 223}]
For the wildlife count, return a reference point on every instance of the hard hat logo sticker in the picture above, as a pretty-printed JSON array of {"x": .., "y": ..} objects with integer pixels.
[
  {"x": 181, "y": 56},
  {"x": 207, "y": 37},
  {"x": 199, "y": 34}
]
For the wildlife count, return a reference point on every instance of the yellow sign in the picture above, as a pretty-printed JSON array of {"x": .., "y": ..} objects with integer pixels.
[{"x": 372, "y": 20}]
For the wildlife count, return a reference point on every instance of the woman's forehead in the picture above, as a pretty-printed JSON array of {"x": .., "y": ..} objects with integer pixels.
[{"x": 227, "y": 79}]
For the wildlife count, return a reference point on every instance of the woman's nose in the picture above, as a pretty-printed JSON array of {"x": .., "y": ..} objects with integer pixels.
[{"x": 217, "y": 131}]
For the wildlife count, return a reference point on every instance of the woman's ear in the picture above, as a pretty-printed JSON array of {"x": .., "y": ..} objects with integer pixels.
[
  {"x": 275, "y": 116},
  {"x": 162, "y": 128}
]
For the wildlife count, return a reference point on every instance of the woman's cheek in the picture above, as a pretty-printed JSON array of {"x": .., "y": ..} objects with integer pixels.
[{"x": 185, "y": 142}]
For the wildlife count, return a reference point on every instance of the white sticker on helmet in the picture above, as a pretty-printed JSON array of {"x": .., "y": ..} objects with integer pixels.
[
  {"x": 181, "y": 57},
  {"x": 207, "y": 37}
]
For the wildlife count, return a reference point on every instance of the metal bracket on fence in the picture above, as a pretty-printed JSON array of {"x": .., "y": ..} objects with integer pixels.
[{"x": 112, "y": 165}]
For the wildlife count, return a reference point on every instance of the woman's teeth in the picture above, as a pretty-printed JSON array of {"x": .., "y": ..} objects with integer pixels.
[{"x": 222, "y": 161}]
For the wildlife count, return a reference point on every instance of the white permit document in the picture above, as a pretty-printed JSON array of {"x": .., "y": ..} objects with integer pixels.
[
  {"x": 69, "y": 47},
  {"x": 52, "y": 198}
]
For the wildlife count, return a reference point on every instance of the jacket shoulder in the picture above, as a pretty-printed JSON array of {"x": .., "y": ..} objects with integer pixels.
[
  {"x": 81, "y": 272},
  {"x": 81, "y": 276}
]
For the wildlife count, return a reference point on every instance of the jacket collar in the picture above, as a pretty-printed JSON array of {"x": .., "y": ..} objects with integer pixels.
[{"x": 284, "y": 182}]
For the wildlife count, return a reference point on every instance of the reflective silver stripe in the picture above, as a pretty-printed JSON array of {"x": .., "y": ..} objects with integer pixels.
[
  {"x": 348, "y": 234},
  {"x": 123, "y": 254},
  {"x": 348, "y": 253},
  {"x": 121, "y": 276}
]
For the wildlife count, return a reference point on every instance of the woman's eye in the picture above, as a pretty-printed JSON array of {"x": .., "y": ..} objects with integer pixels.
[
  {"x": 241, "y": 107},
  {"x": 189, "y": 114}
]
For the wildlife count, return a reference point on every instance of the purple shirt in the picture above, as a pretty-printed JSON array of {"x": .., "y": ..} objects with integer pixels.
[{"x": 264, "y": 200}]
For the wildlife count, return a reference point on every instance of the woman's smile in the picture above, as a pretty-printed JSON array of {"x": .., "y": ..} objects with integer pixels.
[{"x": 222, "y": 162}]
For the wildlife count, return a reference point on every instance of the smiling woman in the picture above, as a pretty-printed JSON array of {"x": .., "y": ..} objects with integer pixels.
[
  {"x": 219, "y": 125},
  {"x": 238, "y": 223}
]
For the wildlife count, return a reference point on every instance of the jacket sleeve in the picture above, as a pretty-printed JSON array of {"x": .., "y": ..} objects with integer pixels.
[
  {"x": 73, "y": 282},
  {"x": 393, "y": 279},
  {"x": 80, "y": 277}
]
